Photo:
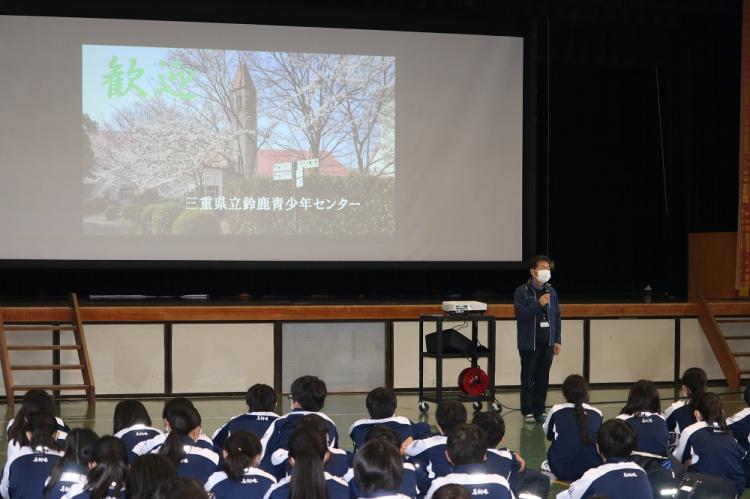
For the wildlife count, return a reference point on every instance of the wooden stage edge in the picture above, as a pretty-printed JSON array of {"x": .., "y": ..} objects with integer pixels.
[{"x": 304, "y": 312}]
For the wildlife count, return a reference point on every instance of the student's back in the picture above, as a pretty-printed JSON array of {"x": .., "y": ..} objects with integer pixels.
[
  {"x": 72, "y": 469},
  {"x": 34, "y": 402},
  {"x": 679, "y": 415},
  {"x": 572, "y": 428},
  {"x": 239, "y": 478},
  {"x": 709, "y": 447},
  {"x": 381, "y": 405},
  {"x": 27, "y": 470},
  {"x": 308, "y": 395},
  {"x": 618, "y": 477},
  {"x": 261, "y": 403},
  {"x": 651, "y": 428},
  {"x": 131, "y": 423},
  {"x": 109, "y": 472}
]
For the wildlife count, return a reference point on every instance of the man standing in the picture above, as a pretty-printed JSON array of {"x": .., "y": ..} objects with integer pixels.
[{"x": 538, "y": 332}]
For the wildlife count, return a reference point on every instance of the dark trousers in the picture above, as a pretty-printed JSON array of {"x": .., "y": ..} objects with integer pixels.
[{"x": 535, "y": 365}]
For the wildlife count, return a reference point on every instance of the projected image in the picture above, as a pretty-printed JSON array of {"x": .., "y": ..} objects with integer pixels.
[{"x": 215, "y": 142}]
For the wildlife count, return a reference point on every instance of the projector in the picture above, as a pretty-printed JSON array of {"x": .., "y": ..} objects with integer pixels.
[{"x": 464, "y": 307}]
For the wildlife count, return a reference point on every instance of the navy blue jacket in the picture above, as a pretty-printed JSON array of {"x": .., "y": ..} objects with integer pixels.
[
  {"x": 134, "y": 435},
  {"x": 72, "y": 475},
  {"x": 408, "y": 483},
  {"x": 651, "y": 429},
  {"x": 618, "y": 478},
  {"x": 568, "y": 456},
  {"x": 714, "y": 451},
  {"x": 337, "y": 488},
  {"x": 253, "y": 422},
  {"x": 428, "y": 456},
  {"x": 359, "y": 429},
  {"x": 679, "y": 416},
  {"x": 528, "y": 311},
  {"x": 475, "y": 479},
  {"x": 26, "y": 471},
  {"x": 253, "y": 485},
  {"x": 200, "y": 462}
]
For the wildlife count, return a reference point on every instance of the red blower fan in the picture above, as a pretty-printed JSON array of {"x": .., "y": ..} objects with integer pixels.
[{"x": 473, "y": 381}]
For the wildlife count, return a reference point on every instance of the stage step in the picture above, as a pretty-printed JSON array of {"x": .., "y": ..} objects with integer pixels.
[
  {"x": 26, "y": 388},
  {"x": 46, "y": 367},
  {"x": 734, "y": 321},
  {"x": 44, "y": 347},
  {"x": 38, "y": 329},
  {"x": 738, "y": 337},
  {"x": 741, "y": 354}
]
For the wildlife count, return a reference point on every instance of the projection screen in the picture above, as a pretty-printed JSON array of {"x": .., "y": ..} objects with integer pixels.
[{"x": 144, "y": 140}]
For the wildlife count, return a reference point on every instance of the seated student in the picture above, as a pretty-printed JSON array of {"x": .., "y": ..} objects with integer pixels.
[
  {"x": 178, "y": 403},
  {"x": 240, "y": 477},
  {"x": 378, "y": 470},
  {"x": 34, "y": 402},
  {"x": 28, "y": 468},
  {"x": 708, "y": 447},
  {"x": 108, "y": 470},
  {"x": 308, "y": 394},
  {"x": 308, "y": 449},
  {"x": 148, "y": 473},
  {"x": 261, "y": 402},
  {"x": 572, "y": 427},
  {"x": 182, "y": 445},
  {"x": 618, "y": 477},
  {"x": 467, "y": 451},
  {"x": 408, "y": 486},
  {"x": 73, "y": 468},
  {"x": 679, "y": 415},
  {"x": 381, "y": 406},
  {"x": 505, "y": 462},
  {"x": 429, "y": 453},
  {"x": 337, "y": 463},
  {"x": 132, "y": 424},
  {"x": 643, "y": 412}
]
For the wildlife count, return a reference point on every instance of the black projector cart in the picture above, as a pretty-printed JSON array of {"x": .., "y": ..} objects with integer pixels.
[{"x": 475, "y": 354}]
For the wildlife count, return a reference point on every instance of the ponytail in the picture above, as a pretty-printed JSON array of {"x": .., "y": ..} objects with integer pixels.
[
  {"x": 308, "y": 449},
  {"x": 34, "y": 402},
  {"x": 710, "y": 408},
  {"x": 242, "y": 448},
  {"x": 695, "y": 380},
  {"x": 42, "y": 428},
  {"x": 78, "y": 449},
  {"x": 576, "y": 391},
  {"x": 111, "y": 460},
  {"x": 182, "y": 420}
]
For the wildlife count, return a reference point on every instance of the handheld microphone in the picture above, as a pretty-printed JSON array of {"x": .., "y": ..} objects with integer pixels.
[{"x": 548, "y": 290}]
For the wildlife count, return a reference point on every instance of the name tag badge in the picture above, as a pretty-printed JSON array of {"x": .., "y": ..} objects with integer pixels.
[{"x": 544, "y": 324}]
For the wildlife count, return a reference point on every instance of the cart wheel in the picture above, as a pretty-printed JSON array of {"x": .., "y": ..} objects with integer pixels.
[
  {"x": 424, "y": 408},
  {"x": 477, "y": 405},
  {"x": 497, "y": 407}
]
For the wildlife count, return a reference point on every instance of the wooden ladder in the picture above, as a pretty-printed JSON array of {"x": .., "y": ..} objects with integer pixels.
[{"x": 84, "y": 363}]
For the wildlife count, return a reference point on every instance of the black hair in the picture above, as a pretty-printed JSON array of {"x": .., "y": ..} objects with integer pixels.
[
  {"x": 309, "y": 392},
  {"x": 378, "y": 466},
  {"x": 111, "y": 460},
  {"x": 260, "y": 398},
  {"x": 175, "y": 403},
  {"x": 384, "y": 433},
  {"x": 182, "y": 420},
  {"x": 312, "y": 421},
  {"x": 450, "y": 413},
  {"x": 79, "y": 446},
  {"x": 695, "y": 380},
  {"x": 307, "y": 449},
  {"x": 242, "y": 447},
  {"x": 616, "y": 438},
  {"x": 42, "y": 427},
  {"x": 181, "y": 488},
  {"x": 711, "y": 410},
  {"x": 129, "y": 413},
  {"x": 451, "y": 491},
  {"x": 147, "y": 474},
  {"x": 643, "y": 397},
  {"x": 34, "y": 402},
  {"x": 466, "y": 445},
  {"x": 381, "y": 403},
  {"x": 576, "y": 391},
  {"x": 493, "y": 426},
  {"x": 534, "y": 261},
  {"x": 747, "y": 394}
]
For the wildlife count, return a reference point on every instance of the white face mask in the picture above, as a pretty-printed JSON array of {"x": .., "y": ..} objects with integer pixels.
[{"x": 543, "y": 275}]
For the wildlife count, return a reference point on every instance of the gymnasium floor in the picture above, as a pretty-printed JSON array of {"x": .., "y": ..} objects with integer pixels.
[{"x": 527, "y": 439}]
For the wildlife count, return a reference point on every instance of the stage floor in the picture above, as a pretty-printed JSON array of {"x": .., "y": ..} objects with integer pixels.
[{"x": 527, "y": 439}]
